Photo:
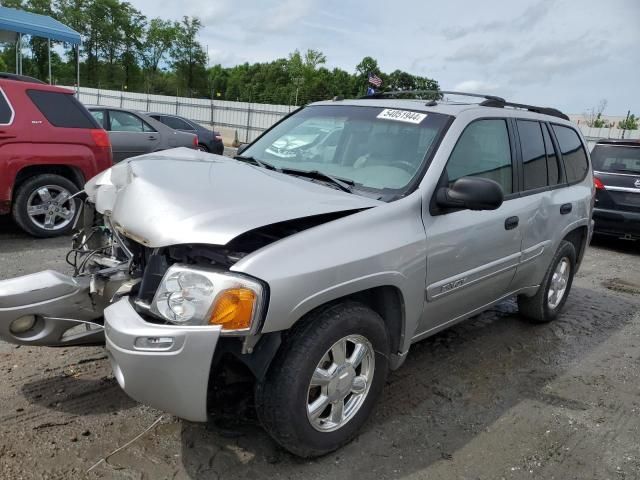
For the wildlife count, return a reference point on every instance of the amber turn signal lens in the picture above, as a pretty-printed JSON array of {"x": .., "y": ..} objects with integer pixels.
[{"x": 234, "y": 309}]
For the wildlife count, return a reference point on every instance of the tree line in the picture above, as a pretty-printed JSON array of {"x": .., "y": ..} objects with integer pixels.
[{"x": 123, "y": 49}]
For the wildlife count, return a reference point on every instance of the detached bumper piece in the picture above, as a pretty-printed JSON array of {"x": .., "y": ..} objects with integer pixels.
[
  {"x": 164, "y": 366},
  {"x": 49, "y": 309}
]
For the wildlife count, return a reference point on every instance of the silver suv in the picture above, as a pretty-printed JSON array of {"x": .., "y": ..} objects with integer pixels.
[{"x": 313, "y": 273}]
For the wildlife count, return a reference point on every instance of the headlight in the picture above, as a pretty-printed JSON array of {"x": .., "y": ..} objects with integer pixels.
[{"x": 195, "y": 296}]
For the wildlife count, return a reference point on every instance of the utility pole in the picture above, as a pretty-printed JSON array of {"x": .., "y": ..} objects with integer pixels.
[{"x": 625, "y": 124}]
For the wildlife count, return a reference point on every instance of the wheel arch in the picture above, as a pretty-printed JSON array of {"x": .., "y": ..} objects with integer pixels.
[
  {"x": 578, "y": 237},
  {"x": 71, "y": 173}
]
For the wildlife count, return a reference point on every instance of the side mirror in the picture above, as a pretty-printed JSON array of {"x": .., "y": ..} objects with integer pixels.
[
  {"x": 241, "y": 148},
  {"x": 473, "y": 193}
]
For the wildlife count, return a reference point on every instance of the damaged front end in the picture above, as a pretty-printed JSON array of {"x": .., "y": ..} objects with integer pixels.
[{"x": 53, "y": 309}]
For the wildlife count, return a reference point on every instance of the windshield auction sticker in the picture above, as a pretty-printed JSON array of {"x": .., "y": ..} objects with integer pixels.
[{"x": 402, "y": 115}]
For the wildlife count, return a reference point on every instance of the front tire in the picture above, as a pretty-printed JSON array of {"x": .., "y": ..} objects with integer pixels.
[
  {"x": 547, "y": 303},
  {"x": 326, "y": 379},
  {"x": 42, "y": 206}
]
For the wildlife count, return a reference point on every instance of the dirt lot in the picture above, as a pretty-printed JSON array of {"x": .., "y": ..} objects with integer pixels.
[{"x": 492, "y": 398}]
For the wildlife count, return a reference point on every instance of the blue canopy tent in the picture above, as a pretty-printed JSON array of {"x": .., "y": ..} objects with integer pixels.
[{"x": 16, "y": 23}]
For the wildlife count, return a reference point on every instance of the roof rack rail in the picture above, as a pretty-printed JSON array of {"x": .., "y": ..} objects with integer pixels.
[
  {"x": 19, "y": 78},
  {"x": 439, "y": 93},
  {"x": 554, "y": 112}
]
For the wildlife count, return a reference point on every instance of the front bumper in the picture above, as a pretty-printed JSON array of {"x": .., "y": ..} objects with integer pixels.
[
  {"x": 617, "y": 223},
  {"x": 175, "y": 378}
]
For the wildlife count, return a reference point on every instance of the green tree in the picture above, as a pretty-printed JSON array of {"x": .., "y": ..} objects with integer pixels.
[
  {"x": 189, "y": 58},
  {"x": 629, "y": 123},
  {"x": 155, "y": 47}
]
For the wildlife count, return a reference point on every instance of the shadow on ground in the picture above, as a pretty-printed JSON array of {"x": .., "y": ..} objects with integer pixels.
[{"x": 452, "y": 387}]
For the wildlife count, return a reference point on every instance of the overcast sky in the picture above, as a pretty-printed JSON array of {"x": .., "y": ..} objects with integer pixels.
[{"x": 563, "y": 53}]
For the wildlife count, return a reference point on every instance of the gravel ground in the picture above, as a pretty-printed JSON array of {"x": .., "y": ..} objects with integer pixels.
[{"x": 492, "y": 398}]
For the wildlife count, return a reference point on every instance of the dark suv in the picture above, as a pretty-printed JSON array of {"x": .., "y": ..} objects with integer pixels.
[
  {"x": 50, "y": 145},
  {"x": 208, "y": 140},
  {"x": 616, "y": 170}
]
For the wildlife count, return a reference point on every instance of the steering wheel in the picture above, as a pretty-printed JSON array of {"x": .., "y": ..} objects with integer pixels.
[{"x": 407, "y": 166}]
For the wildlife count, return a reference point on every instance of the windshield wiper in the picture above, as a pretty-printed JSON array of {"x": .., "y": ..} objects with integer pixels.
[
  {"x": 257, "y": 162},
  {"x": 626, "y": 170},
  {"x": 342, "y": 183}
]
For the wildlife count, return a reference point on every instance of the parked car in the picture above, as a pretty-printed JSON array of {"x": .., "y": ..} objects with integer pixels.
[
  {"x": 208, "y": 140},
  {"x": 313, "y": 277},
  {"x": 616, "y": 169},
  {"x": 49, "y": 147},
  {"x": 134, "y": 133}
]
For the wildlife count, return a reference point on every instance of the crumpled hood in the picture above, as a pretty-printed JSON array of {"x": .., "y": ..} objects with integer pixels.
[{"x": 186, "y": 196}]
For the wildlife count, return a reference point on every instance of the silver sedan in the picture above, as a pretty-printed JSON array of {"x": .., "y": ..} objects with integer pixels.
[{"x": 135, "y": 133}]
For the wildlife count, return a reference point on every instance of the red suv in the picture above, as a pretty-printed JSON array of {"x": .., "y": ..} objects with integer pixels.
[{"x": 50, "y": 145}]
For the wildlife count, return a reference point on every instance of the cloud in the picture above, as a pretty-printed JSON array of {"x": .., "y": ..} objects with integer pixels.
[
  {"x": 480, "y": 53},
  {"x": 476, "y": 86},
  {"x": 531, "y": 16}
]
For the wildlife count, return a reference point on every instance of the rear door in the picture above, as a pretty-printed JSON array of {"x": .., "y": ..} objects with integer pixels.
[
  {"x": 618, "y": 169},
  {"x": 546, "y": 202},
  {"x": 472, "y": 255},
  {"x": 130, "y": 135}
]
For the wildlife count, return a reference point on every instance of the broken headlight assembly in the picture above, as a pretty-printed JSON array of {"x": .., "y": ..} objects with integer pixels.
[{"x": 196, "y": 296}]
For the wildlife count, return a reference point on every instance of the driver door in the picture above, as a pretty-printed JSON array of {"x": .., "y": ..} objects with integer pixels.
[{"x": 472, "y": 256}]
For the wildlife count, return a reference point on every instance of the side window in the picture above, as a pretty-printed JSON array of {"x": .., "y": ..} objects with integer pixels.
[
  {"x": 483, "y": 151},
  {"x": 573, "y": 154},
  {"x": 6, "y": 114},
  {"x": 127, "y": 122},
  {"x": 176, "y": 123},
  {"x": 534, "y": 158},
  {"x": 99, "y": 116},
  {"x": 553, "y": 163},
  {"x": 62, "y": 109}
]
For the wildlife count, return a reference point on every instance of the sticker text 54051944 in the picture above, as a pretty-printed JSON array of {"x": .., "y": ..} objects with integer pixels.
[{"x": 402, "y": 115}]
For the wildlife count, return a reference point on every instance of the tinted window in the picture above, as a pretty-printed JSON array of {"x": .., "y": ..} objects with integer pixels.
[
  {"x": 533, "y": 154},
  {"x": 127, "y": 122},
  {"x": 553, "y": 164},
  {"x": 62, "y": 109},
  {"x": 616, "y": 158},
  {"x": 176, "y": 123},
  {"x": 573, "y": 154},
  {"x": 5, "y": 110},
  {"x": 483, "y": 151}
]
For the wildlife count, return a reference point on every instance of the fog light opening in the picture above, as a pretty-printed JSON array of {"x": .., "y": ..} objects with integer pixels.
[
  {"x": 22, "y": 325},
  {"x": 153, "y": 343}
]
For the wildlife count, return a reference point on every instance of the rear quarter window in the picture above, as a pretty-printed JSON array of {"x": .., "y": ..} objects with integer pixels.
[
  {"x": 62, "y": 109},
  {"x": 6, "y": 114},
  {"x": 574, "y": 156}
]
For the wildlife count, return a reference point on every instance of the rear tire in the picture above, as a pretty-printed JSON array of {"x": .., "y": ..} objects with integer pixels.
[
  {"x": 41, "y": 205},
  {"x": 203, "y": 148},
  {"x": 298, "y": 380},
  {"x": 547, "y": 303}
]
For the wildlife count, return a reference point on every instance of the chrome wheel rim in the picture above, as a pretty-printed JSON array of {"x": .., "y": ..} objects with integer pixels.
[
  {"x": 340, "y": 383},
  {"x": 559, "y": 282},
  {"x": 50, "y": 207}
]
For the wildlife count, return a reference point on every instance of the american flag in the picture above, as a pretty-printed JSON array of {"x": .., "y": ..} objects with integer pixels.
[{"x": 375, "y": 80}]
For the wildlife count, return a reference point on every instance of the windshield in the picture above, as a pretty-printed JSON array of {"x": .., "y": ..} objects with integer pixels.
[
  {"x": 373, "y": 148},
  {"x": 616, "y": 158}
]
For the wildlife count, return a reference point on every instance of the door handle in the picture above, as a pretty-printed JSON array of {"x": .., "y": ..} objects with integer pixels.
[
  {"x": 511, "y": 223},
  {"x": 151, "y": 137},
  {"x": 565, "y": 208}
]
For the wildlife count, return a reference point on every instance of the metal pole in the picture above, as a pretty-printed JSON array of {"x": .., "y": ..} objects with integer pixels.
[
  {"x": 17, "y": 61},
  {"x": 78, "y": 71},
  {"x": 625, "y": 123},
  {"x": 49, "y": 50},
  {"x": 20, "y": 54},
  {"x": 212, "y": 117}
]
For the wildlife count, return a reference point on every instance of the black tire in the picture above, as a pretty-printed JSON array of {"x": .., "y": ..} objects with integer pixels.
[
  {"x": 282, "y": 396},
  {"x": 21, "y": 198},
  {"x": 203, "y": 148},
  {"x": 537, "y": 308}
]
